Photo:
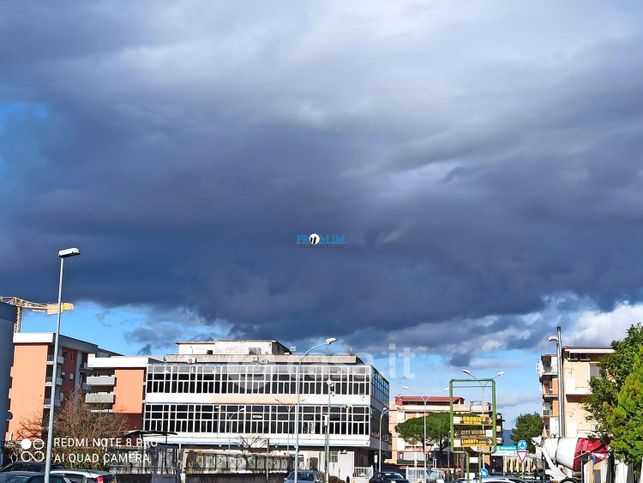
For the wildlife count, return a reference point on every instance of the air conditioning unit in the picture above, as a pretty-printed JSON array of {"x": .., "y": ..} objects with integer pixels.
[
  {"x": 191, "y": 360},
  {"x": 254, "y": 359}
]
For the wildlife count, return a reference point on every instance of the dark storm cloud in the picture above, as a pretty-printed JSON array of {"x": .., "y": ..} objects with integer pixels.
[
  {"x": 460, "y": 360},
  {"x": 478, "y": 158}
]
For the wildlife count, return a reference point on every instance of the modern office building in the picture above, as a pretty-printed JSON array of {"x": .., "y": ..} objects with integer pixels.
[
  {"x": 242, "y": 395},
  {"x": 30, "y": 393},
  {"x": 410, "y": 407},
  {"x": 580, "y": 364}
]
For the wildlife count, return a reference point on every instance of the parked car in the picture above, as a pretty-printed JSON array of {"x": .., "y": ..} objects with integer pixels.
[
  {"x": 388, "y": 476},
  {"x": 32, "y": 466},
  {"x": 86, "y": 476},
  {"x": 514, "y": 479},
  {"x": 30, "y": 477},
  {"x": 492, "y": 479},
  {"x": 313, "y": 476}
]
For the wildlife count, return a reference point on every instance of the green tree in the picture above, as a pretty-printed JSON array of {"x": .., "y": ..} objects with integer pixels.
[
  {"x": 437, "y": 430},
  {"x": 529, "y": 425},
  {"x": 615, "y": 368},
  {"x": 626, "y": 419}
]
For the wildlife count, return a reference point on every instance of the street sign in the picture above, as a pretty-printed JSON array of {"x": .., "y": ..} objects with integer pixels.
[
  {"x": 473, "y": 432},
  {"x": 484, "y": 472},
  {"x": 471, "y": 420},
  {"x": 506, "y": 450},
  {"x": 473, "y": 441},
  {"x": 522, "y": 454},
  {"x": 522, "y": 445}
]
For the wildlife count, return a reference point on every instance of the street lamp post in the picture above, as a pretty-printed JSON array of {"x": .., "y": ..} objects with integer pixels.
[
  {"x": 289, "y": 408},
  {"x": 559, "y": 368},
  {"x": 331, "y": 389},
  {"x": 328, "y": 341},
  {"x": 424, "y": 400},
  {"x": 379, "y": 459},
  {"x": 62, "y": 254},
  {"x": 228, "y": 425}
]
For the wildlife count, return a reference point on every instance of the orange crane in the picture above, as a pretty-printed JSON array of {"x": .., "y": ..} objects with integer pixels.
[{"x": 22, "y": 304}]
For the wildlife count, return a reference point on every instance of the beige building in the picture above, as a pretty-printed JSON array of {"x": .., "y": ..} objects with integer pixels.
[
  {"x": 580, "y": 364},
  {"x": 410, "y": 407}
]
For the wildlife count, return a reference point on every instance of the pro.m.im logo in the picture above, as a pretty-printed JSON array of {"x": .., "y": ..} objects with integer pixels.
[{"x": 333, "y": 240}]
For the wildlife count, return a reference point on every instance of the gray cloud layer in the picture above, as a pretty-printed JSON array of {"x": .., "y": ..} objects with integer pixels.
[{"x": 478, "y": 156}]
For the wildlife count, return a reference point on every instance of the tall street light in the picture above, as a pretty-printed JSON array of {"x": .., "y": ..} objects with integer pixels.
[
  {"x": 559, "y": 363},
  {"x": 229, "y": 425},
  {"x": 328, "y": 341},
  {"x": 424, "y": 400},
  {"x": 379, "y": 459},
  {"x": 289, "y": 408},
  {"x": 331, "y": 391},
  {"x": 62, "y": 254}
]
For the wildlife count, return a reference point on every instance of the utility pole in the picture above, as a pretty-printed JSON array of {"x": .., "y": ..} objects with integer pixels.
[
  {"x": 561, "y": 383},
  {"x": 267, "y": 460},
  {"x": 331, "y": 389}
]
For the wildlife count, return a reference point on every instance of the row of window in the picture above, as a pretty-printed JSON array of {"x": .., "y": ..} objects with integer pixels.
[
  {"x": 257, "y": 419},
  {"x": 380, "y": 387},
  {"x": 263, "y": 379}
]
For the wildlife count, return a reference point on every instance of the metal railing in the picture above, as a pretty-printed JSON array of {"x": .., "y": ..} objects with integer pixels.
[{"x": 217, "y": 461}]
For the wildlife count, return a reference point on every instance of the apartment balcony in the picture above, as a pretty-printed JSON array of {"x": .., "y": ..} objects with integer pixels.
[
  {"x": 546, "y": 370},
  {"x": 571, "y": 389},
  {"x": 59, "y": 381},
  {"x": 101, "y": 380},
  {"x": 550, "y": 394},
  {"x": 99, "y": 398},
  {"x": 579, "y": 391},
  {"x": 50, "y": 360},
  {"x": 547, "y": 413}
]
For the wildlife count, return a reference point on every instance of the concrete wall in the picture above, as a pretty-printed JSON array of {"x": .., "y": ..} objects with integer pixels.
[
  {"x": 129, "y": 394},
  {"x": 235, "y": 478},
  {"x": 229, "y": 347},
  {"x": 28, "y": 385},
  {"x": 7, "y": 321}
]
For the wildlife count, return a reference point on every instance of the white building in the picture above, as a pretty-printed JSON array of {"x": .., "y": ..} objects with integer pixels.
[{"x": 243, "y": 394}]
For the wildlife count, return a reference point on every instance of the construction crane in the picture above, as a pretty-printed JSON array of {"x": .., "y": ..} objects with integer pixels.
[{"x": 21, "y": 304}]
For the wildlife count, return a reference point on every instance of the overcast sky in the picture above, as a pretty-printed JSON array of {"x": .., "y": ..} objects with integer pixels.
[{"x": 483, "y": 159}]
